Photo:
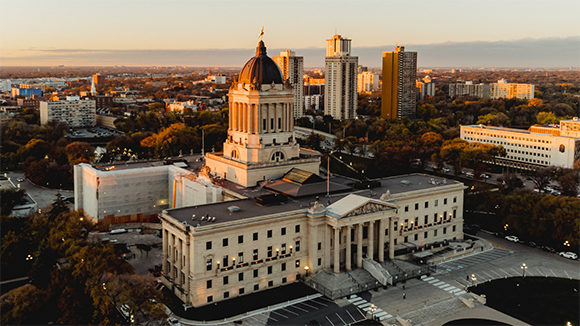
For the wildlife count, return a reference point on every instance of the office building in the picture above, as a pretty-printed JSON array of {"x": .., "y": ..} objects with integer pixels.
[
  {"x": 260, "y": 144},
  {"x": 503, "y": 89},
  {"x": 367, "y": 82},
  {"x": 340, "y": 97},
  {"x": 99, "y": 82},
  {"x": 425, "y": 87},
  {"x": 469, "y": 89},
  {"x": 399, "y": 87},
  {"x": 540, "y": 146},
  {"x": 73, "y": 111},
  {"x": 292, "y": 68},
  {"x": 25, "y": 92}
]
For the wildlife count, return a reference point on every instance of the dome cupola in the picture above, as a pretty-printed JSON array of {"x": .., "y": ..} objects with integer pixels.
[{"x": 261, "y": 69}]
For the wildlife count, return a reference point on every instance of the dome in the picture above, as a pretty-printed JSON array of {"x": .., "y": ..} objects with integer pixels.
[{"x": 261, "y": 69}]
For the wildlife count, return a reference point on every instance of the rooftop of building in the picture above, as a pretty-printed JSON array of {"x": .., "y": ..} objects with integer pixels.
[
  {"x": 229, "y": 211},
  {"x": 192, "y": 164},
  {"x": 523, "y": 131}
]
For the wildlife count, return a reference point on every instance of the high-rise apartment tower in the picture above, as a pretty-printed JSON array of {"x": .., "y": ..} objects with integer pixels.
[
  {"x": 292, "y": 68},
  {"x": 341, "y": 79},
  {"x": 399, "y": 74}
]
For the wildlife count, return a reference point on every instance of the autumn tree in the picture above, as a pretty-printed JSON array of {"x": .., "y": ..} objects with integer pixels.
[
  {"x": 79, "y": 152},
  {"x": 452, "y": 153}
]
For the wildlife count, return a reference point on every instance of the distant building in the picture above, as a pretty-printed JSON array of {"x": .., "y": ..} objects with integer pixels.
[
  {"x": 469, "y": 89},
  {"x": 313, "y": 100},
  {"x": 73, "y": 111},
  {"x": 6, "y": 117},
  {"x": 399, "y": 86},
  {"x": 106, "y": 120},
  {"x": 99, "y": 81},
  {"x": 29, "y": 103},
  {"x": 21, "y": 210},
  {"x": 26, "y": 92},
  {"x": 425, "y": 87},
  {"x": 218, "y": 79},
  {"x": 180, "y": 106},
  {"x": 292, "y": 68},
  {"x": 367, "y": 82},
  {"x": 340, "y": 98},
  {"x": 5, "y": 85},
  {"x": 503, "y": 89}
]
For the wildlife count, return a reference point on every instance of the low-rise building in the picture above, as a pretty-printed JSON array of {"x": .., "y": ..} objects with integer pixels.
[
  {"x": 22, "y": 210},
  {"x": 367, "y": 82},
  {"x": 73, "y": 111}
]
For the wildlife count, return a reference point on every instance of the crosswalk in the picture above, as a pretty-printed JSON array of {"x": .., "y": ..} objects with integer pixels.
[
  {"x": 364, "y": 305},
  {"x": 474, "y": 259},
  {"x": 442, "y": 285}
]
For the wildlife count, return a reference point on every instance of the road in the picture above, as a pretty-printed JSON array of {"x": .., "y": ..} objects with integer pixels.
[{"x": 42, "y": 195}]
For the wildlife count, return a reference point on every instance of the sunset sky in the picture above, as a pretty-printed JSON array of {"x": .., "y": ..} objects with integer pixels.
[{"x": 445, "y": 33}]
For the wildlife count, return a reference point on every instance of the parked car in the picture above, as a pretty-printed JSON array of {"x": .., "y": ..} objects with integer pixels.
[
  {"x": 530, "y": 243},
  {"x": 569, "y": 255},
  {"x": 512, "y": 238},
  {"x": 20, "y": 179},
  {"x": 499, "y": 234},
  {"x": 445, "y": 170},
  {"x": 548, "y": 249},
  {"x": 485, "y": 176}
]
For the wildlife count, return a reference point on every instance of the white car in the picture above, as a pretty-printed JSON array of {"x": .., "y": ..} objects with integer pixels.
[
  {"x": 512, "y": 238},
  {"x": 569, "y": 254},
  {"x": 469, "y": 174},
  {"x": 445, "y": 170}
]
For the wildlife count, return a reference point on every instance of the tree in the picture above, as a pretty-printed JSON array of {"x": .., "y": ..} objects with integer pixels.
[
  {"x": 79, "y": 152},
  {"x": 569, "y": 180},
  {"x": 541, "y": 177},
  {"x": 452, "y": 153},
  {"x": 23, "y": 306},
  {"x": 498, "y": 119},
  {"x": 11, "y": 197},
  {"x": 313, "y": 141},
  {"x": 535, "y": 102},
  {"x": 545, "y": 118}
]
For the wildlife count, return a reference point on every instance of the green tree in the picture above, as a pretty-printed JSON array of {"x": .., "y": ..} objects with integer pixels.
[
  {"x": 545, "y": 118},
  {"x": 11, "y": 197}
]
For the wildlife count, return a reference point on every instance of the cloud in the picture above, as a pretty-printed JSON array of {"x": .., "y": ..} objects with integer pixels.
[{"x": 547, "y": 52}]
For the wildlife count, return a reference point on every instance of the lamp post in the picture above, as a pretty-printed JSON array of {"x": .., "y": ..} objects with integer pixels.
[
  {"x": 291, "y": 251},
  {"x": 524, "y": 267},
  {"x": 372, "y": 310},
  {"x": 473, "y": 279},
  {"x": 306, "y": 268},
  {"x": 277, "y": 252}
]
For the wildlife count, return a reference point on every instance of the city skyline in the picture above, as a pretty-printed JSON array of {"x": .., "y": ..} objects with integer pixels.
[{"x": 166, "y": 33}]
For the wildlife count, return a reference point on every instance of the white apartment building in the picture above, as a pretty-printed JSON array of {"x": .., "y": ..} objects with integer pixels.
[
  {"x": 310, "y": 100},
  {"x": 530, "y": 149},
  {"x": 340, "y": 97},
  {"x": 180, "y": 106},
  {"x": 425, "y": 87},
  {"x": 503, "y": 89},
  {"x": 367, "y": 82},
  {"x": 73, "y": 111},
  {"x": 137, "y": 193},
  {"x": 292, "y": 68},
  {"x": 225, "y": 250},
  {"x": 469, "y": 89}
]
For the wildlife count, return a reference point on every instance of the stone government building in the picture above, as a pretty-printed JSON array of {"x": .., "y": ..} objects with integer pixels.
[{"x": 300, "y": 224}]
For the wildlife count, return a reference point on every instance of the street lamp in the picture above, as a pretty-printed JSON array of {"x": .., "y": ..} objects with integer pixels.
[
  {"x": 473, "y": 279},
  {"x": 505, "y": 227},
  {"x": 524, "y": 267},
  {"x": 372, "y": 309},
  {"x": 291, "y": 251},
  {"x": 566, "y": 243},
  {"x": 306, "y": 268}
]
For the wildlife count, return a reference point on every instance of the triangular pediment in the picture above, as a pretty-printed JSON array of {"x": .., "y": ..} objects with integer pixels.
[{"x": 353, "y": 205}]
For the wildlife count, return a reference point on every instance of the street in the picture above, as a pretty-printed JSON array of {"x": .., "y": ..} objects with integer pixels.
[{"x": 42, "y": 195}]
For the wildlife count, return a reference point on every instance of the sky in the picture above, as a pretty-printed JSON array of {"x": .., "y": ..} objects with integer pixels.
[{"x": 445, "y": 33}]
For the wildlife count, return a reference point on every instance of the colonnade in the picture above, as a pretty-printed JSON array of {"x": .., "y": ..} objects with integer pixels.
[
  {"x": 248, "y": 118},
  {"x": 176, "y": 262}
]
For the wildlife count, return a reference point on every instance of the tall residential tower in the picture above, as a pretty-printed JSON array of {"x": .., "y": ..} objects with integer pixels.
[
  {"x": 292, "y": 68},
  {"x": 399, "y": 74},
  {"x": 341, "y": 78}
]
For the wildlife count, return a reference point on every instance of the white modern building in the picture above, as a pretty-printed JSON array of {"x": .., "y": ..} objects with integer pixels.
[
  {"x": 503, "y": 89},
  {"x": 292, "y": 68},
  {"x": 310, "y": 100},
  {"x": 367, "y": 82},
  {"x": 126, "y": 194},
  {"x": 540, "y": 146},
  {"x": 73, "y": 111},
  {"x": 340, "y": 96}
]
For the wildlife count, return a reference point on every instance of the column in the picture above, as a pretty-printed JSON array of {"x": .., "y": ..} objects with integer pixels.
[
  {"x": 267, "y": 117},
  {"x": 252, "y": 118},
  {"x": 371, "y": 250},
  {"x": 326, "y": 246},
  {"x": 359, "y": 245},
  {"x": 185, "y": 265},
  {"x": 179, "y": 261},
  {"x": 392, "y": 222},
  {"x": 230, "y": 115},
  {"x": 382, "y": 240},
  {"x": 165, "y": 250},
  {"x": 336, "y": 250},
  {"x": 313, "y": 248},
  {"x": 245, "y": 117},
  {"x": 348, "y": 249}
]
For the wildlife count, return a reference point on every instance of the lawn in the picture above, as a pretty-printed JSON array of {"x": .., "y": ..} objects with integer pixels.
[{"x": 534, "y": 300}]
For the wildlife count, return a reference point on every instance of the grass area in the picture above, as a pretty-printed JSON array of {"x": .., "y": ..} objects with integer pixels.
[
  {"x": 534, "y": 300},
  {"x": 238, "y": 305}
]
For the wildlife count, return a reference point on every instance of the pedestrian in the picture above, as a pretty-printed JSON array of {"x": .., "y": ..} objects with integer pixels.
[
  {"x": 467, "y": 277},
  {"x": 404, "y": 286},
  {"x": 404, "y": 296}
]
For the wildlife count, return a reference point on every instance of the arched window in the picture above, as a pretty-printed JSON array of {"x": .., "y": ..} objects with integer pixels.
[
  {"x": 562, "y": 148},
  {"x": 277, "y": 157},
  {"x": 235, "y": 154}
]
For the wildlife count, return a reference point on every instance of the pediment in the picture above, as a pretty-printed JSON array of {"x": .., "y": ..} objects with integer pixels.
[
  {"x": 353, "y": 205},
  {"x": 367, "y": 208}
]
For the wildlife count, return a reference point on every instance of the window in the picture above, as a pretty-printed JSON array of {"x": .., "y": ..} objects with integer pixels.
[
  {"x": 444, "y": 201},
  {"x": 208, "y": 265},
  {"x": 264, "y": 124},
  {"x": 283, "y": 231},
  {"x": 226, "y": 280},
  {"x": 406, "y": 239},
  {"x": 240, "y": 239},
  {"x": 319, "y": 261},
  {"x": 283, "y": 267},
  {"x": 242, "y": 290},
  {"x": 270, "y": 284},
  {"x": 270, "y": 251},
  {"x": 297, "y": 263},
  {"x": 208, "y": 245},
  {"x": 406, "y": 222},
  {"x": 562, "y": 148},
  {"x": 279, "y": 123},
  {"x": 210, "y": 298},
  {"x": 240, "y": 277},
  {"x": 297, "y": 228},
  {"x": 386, "y": 232},
  {"x": 416, "y": 206},
  {"x": 240, "y": 258},
  {"x": 454, "y": 213},
  {"x": 365, "y": 232},
  {"x": 454, "y": 228},
  {"x": 434, "y": 233},
  {"x": 226, "y": 295},
  {"x": 395, "y": 242},
  {"x": 455, "y": 199},
  {"x": 255, "y": 254},
  {"x": 395, "y": 226},
  {"x": 255, "y": 236},
  {"x": 427, "y": 204},
  {"x": 283, "y": 280},
  {"x": 225, "y": 242},
  {"x": 225, "y": 261},
  {"x": 406, "y": 208},
  {"x": 436, "y": 203},
  {"x": 272, "y": 124},
  {"x": 269, "y": 269},
  {"x": 269, "y": 233},
  {"x": 320, "y": 246},
  {"x": 416, "y": 237},
  {"x": 255, "y": 273},
  {"x": 444, "y": 230},
  {"x": 256, "y": 287},
  {"x": 283, "y": 249},
  {"x": 208, "y": 284},
  {"x": 297, "y": 246},
  {"x": 425, "y": 235},
  {"x": 426, "y": 219}
]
